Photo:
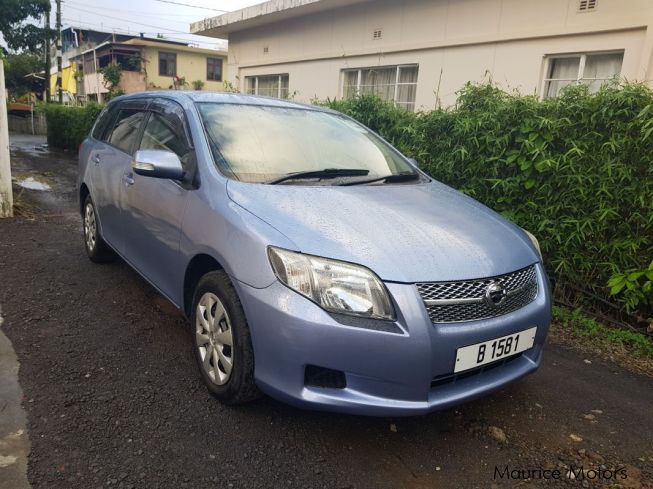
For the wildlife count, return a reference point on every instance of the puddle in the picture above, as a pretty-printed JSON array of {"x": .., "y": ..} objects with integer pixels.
[
  {"x": 6, "y": 461},
  {"x": 31, "y": 183}
]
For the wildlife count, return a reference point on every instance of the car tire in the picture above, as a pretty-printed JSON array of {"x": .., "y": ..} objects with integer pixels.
[
  {"x": 221, "y": 339},
  {"x": 97, "y": 249}
]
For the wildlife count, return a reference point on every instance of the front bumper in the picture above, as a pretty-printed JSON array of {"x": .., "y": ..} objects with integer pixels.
[{"x": 389, "y": 372}]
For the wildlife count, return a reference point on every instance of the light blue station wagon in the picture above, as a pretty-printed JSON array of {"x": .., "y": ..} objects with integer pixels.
[{"x": 315, "y": 263}]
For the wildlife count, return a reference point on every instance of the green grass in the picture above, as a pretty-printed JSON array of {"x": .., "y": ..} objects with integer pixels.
[{"x": 575, "y": 322}]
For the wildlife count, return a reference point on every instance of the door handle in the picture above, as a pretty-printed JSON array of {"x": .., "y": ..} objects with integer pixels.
[
  {"x": 128, "y": 178},
  {"x": 96, "y": 159}
]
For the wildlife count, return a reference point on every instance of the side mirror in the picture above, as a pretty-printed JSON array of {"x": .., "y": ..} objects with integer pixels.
[
  {"x": 414, "y": 162},
  {"x": 158, "y": 163}
]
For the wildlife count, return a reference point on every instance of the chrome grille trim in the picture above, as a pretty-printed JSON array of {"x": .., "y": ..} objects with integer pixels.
[{"x": 451, "y": 302}]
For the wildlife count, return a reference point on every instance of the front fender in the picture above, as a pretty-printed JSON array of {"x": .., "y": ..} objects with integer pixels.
[{"x": 233, "y": 236}]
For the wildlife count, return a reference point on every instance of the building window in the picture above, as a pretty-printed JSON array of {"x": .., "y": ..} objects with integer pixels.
[
  {"x": 167, "y": 64},
  {"x": 214, "y": 69},
  {"x": 268, "y": 85},
  {"x": 593, "y": 70},
  {"x": 396, "y": 84}
]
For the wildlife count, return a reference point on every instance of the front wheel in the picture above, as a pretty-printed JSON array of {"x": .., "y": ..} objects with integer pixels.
[
  {"x": 223, "y": 347},
  {"x": 96, "y": 248}
]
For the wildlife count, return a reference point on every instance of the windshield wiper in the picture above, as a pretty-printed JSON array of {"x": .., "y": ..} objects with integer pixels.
[
  {"x": 326, "y": 173},
  {"x": 397, "y": 177}
]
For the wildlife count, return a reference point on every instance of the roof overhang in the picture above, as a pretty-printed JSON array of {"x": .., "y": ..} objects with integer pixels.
[{"x": 262, "y": 14}]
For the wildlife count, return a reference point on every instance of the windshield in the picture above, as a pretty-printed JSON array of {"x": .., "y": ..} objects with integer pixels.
[{"x": 255, "y": 143}]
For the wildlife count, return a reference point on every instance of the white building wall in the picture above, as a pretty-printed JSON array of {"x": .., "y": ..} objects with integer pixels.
[{"x": 453, "y": 41}]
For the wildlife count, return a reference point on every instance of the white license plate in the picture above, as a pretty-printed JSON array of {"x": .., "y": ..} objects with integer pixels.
[{"x": 489, "y": 351}]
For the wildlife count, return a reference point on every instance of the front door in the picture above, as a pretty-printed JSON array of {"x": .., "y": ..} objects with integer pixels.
[{"x": 154, "y": 207}]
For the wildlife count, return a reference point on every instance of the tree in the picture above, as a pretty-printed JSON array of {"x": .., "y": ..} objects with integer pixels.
[
  {"x": 16, "y": 67},
  {"x": 16, "y": 28},
  {"x": 112, "y": 74}
]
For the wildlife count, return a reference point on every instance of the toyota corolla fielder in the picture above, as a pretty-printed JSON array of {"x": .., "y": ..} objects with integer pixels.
[{"x": 314, "y": 261}]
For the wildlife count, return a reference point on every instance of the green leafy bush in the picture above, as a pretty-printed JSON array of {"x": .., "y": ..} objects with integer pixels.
[
  {"x": 68, "y": 126},
  {"x": 634, "y": 286},
  {"x": 576, "y": 170}
]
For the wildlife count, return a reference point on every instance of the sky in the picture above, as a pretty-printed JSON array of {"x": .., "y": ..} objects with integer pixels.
[{"x": 148, "y": 16}]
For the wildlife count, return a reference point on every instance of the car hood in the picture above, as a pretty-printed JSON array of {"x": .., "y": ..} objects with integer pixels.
[{"x": 404, "y": 233}]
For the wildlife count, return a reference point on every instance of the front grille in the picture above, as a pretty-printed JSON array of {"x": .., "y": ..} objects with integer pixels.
[{"x": 451, "y": 302}]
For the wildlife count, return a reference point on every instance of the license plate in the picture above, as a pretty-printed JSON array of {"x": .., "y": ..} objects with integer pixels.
[{"x": 489, "y": 351}]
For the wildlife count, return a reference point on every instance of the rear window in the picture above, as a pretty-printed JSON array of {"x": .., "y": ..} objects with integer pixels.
[{"x": 125, "y": 131}]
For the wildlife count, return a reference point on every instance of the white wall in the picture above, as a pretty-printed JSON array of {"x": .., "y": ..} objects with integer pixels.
[{"x": 453, "y": 41}]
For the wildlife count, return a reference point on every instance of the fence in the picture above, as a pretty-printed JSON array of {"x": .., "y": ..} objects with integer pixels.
[{"x": 26, "y": 125}]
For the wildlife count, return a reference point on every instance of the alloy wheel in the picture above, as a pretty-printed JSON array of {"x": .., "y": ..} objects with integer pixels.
[
  {"x": 90, "y": 227},
  {"x": 214, "y": 339}
]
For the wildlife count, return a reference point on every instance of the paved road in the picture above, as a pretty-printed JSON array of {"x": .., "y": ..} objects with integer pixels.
[{"x": 113, "y": 397}]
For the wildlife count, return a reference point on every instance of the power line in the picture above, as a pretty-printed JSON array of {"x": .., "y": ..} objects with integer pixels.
[
  {"x": 193, "y": 6},
  {"x": 102, "y": 9},
  {"x": 121, "y": 30},
  {"x": 130, "y": 21}
]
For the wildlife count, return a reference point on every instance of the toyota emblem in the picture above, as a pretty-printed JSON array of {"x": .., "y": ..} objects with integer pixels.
[{"x": 495, "y": 295}]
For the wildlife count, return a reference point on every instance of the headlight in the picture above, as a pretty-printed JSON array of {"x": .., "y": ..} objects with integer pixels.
[
  {"x": 535, "y": 242},
  {"x": 336, "y": 286}
]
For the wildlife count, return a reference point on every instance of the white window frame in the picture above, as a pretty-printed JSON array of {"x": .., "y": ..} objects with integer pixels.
[
  {"x": 397, "y": 84},
  {"x": 581, "y": 68},
  {"x": 256, "y": 77}
]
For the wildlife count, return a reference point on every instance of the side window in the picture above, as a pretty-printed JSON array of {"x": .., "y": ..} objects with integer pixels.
[
  {"x": 125, "y": 131},
  {"x": 160, "y": 134},
  {"x": 105, "y": 119}
]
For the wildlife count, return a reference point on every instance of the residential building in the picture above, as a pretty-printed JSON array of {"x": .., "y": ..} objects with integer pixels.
[
  {"x": 73, "y": 41},
  {"x": 419, "y": 53},
  {"x": 146, "y": 64},
  {"x": 149, "y": 64}
]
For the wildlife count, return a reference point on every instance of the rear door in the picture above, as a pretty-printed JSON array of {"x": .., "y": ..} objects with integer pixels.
[
  {"x": 94, "y": 175},
  {"x": 109, "y": 160},
  {"x": 154, "y": 207}
]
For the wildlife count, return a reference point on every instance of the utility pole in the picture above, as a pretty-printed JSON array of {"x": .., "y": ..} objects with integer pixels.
[
  {"x": 59, "y": 61},
  {"x": 47, "y": 54},
  {"x": 6, "y": 197}
]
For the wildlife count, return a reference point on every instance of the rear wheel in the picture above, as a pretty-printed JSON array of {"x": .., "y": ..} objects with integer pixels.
[
  {"x": 223, "y": 347},
  {"x": 96, "y": 248}
]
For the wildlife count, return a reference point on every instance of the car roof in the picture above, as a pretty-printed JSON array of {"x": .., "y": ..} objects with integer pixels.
[{"x": 222, "y": 98}]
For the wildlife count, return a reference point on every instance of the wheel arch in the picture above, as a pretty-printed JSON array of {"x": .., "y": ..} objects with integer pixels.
[
  {"x": 198, "y": 266},
  {"x": 83, "y": 193}
]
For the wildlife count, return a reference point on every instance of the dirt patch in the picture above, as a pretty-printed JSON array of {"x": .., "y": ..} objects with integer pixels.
[{"x": 610, "y": 351}]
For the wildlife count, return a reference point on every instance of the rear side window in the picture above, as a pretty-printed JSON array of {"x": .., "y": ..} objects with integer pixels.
[
  {"x": 104, "y": 122},
  {"x": 125, "y": 130}
]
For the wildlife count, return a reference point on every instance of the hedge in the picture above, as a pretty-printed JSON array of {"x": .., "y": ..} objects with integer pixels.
[
  {"x": 68, "y": 126},
  {"x": 576, "y": 170}
]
